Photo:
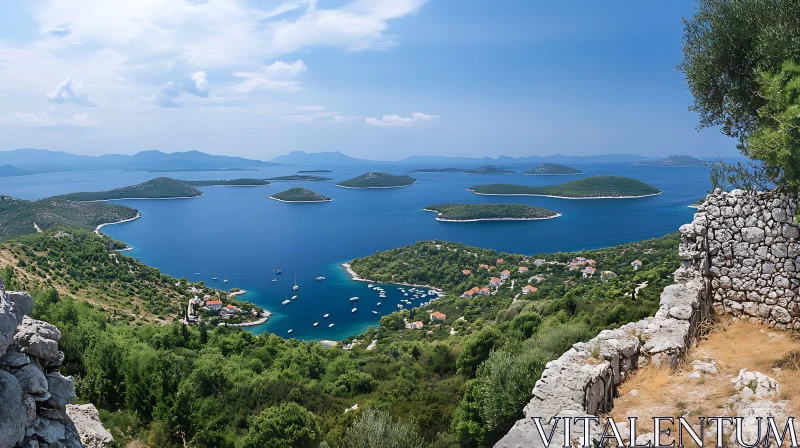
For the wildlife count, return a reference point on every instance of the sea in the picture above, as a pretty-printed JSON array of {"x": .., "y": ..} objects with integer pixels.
[{"x": 239, "y": 234}]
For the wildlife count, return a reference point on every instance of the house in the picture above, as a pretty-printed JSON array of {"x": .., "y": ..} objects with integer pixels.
[
  {"x": 539, "y": 261},
  {"x": 466, "y": 271},
  {"x": 214, "y": 304},
  {"x": 523, "y": 269},
  {"x": 581, "y": 260},
  {"x": 500, "y": 261},
  {"x": 588, "y": 272},
  {"x": 529, "y": 289},
  {"x": 607, "y": 275},
  {"x": 575, "y": 265},
  {"x": 636, "y": 264},
  {"x": 415, "y": 325},
  {"x": 438, "y": 316},
  {"x": 230, "y": 309},
  {"x": 484, "y": 291},
  {"x": 504, "y": 275},
  {"x": 590, "y": 261},
  {"x": 538, "y": 278},
  {"x": 495, "y": 281},
  {"x": 471, "y": 292},
  {"x": 484, "y": 266}
]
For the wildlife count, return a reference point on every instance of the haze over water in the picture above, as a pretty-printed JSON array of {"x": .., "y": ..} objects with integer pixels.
[{"x": 239, "y": 234}]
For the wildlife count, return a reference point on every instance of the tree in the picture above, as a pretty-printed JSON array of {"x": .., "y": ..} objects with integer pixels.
[
  {"x": 376, "y": 429},
  {"x": 477, "y": 350},
  {"x": 286, "y": 426}
]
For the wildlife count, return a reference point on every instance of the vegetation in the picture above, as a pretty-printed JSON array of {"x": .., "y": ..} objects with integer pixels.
[
  {"x": 18, "y": 217},
  {"x": 740, "y": 62},
  {"x": 299, "y": 177},
  {"x": 158, "y": 188},
  {"x": 675, "y": 160},
  {"x": 471, "y": 212},
  {"x": 377, "y": 179},
  {"x": 299, "y": 194},
  {"x": 487, "y": 169},
  {"x": 589, "y": 187},
  {"x": 245, "y": 182},
  {"x": 551, "y": 169}
]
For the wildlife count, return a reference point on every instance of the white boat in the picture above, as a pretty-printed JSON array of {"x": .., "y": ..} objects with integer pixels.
[
  {"x": 331, "y": 325},
  {"x": 353, "y": 299},
  {"x": 370, "y": 285},
  {"x": 354, "y": 310},
  {"x": 316, "y": 323},
  {"x": 213, "y": 278},
  {"x": 225, "y": 281},
  {"x": 374, "y": 312},
  {"x": 320, "y": 278},
  {"x": 196, "y": 273},
  {"x": 286, "y": 302},
  {"x": 295, "y": 287},
  {"x": 294, "y": 297},
  {"x": 406, "y": 294},
  {"x": 290, "y": 331},
  {"x": 325, "y": 315},
  {"x": 379, "y": 304},
  {"x": 400, "y": 306}
]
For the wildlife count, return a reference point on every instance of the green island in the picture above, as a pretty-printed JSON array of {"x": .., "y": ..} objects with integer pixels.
[
  {"x": 20, "y": 217},
  {"x": 314, "y": 171},
  {"x": 487, "y": 169},
  {"x": 298, "y": 178},
  {"x": 552, "y": 169},
  {"x": 461, "y": 381},
  {"x": 191, "y": 170},
  {"x": 675, "y": 161},
  {"x": 244, "y": 182},
  {"x": 593, "y": 187},
  {"x": 158, "y": 188},
  {"x": 299, "y": 194},
  {"x": 377, "y": 179},
  {"x": 489, "y": 212}
]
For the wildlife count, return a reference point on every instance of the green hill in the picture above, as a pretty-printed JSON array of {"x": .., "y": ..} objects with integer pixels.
[
  {"x": 377, "y": 179},
  {"x": 552, "y": 169},
  {"x": 489, "y": 169},
  {"x": 300, "y": 194},
  {"x": 489, "y": 212},
  {"x": 299, "y": 178},
  {"x": 228, "y": 183},
  {"x": 17, "y": 216},
  {"x": 676, "y": 161},
  {"x": 587, "y": 188},
  {"x": 158, "y": 188}
]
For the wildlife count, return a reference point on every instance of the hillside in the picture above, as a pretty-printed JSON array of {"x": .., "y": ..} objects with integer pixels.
[
  {"x": 17, "y": 216},
  {"x": 586, "y": 188},
  {"x": 299, "y": 194},
  {"x": 552, "y": 169},
  {"x": 244, "y": 182},
  {"x": 158, "y": 188},
  {"x": 11, "y": 171},
  {"x": 377, "y": 179},
  {"x": 676, "y": 161},
  {"x": 489, "y": 212}
]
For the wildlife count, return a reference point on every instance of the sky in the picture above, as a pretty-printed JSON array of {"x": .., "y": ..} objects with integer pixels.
[{"x": 379, "y": 79}]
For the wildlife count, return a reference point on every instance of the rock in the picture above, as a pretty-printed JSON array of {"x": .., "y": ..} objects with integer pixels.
[
  {"x": 13, "y": 415},
  {"x": 753, "y": 234},
  {"x": 21, "y": 304},
  {"x": 705, "y": 367},
  {"x": 8, "y": 325},
  {"x": 39, "y": 339},
  {"x": 32, "y": 382},
  {"x": 62, "y": 389},
  {"x": 755, "y": 385},
  {"x": 87, "y": 423},
  {"x": 14, "y": 359},
  {"x": 49, "y": 431}
]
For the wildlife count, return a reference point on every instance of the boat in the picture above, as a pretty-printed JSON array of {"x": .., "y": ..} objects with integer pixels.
[
  {"x": 400, "y": 306},
  {"x": 354, "y": 310},
  {"x": 370, "y": 285},
  {"x": 406, "y": 294},
  {"x": 325, "y": 315},
  {"x": 294, "y": 297},
  {"x": 331, "y": 325},
  {"x": 213, "y": 278},
  {"x": 316, "y": 323},
  {"x": 379, "y": 303},
  {"x": 290, "y": 331},
  {"x": 353, "y": 299},
  {"x": 320, "y": 278},
  {"x": 196, "y": 273},
  {"x": 225, "y": 281},
  {"x": 374, "y": 312},
  {"x": 286, "y": 302},
  {"x": 295, "y": 287},
  {"x": 274, "y": 279},
  {"x": 277, "y": 271}
]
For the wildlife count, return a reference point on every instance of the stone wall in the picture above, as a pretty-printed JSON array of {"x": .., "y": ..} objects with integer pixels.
[{"x": 35, "y": 398}]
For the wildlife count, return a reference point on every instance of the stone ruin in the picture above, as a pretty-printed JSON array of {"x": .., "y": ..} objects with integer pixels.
[
  {"x": 35, "y": 399},
  {"x": 739, "y": 256}
]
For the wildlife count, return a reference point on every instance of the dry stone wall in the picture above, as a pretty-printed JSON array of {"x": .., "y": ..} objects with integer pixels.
[{"x": 35, "y": 410}]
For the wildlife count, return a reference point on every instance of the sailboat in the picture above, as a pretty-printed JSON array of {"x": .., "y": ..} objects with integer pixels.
[
  {"x": 274, "y": 279},
  {"x": 294, "y": 297},
  {"x": 214, "y": 277},
  {"x": 226, "y": 279},
  {"x": 326, "y": 315},
  {"x": 354, "y": 310},
  {"x": 287, "y": 301},
  {"x": 330, "y": 326},
  {"x": 316, "y": 323},
  {"x": 290, "y": 331},
  {"x": 295, "y": 287}
]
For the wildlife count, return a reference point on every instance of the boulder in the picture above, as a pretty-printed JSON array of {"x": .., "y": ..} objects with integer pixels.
[
  {"x": 755, "y": 385},
  {"x": 13, "y": 412},
  {"x": 62, "y": 389},
  {"x": 21, "y": 304},
  {"x": 8, "y": 324},
  {"x": 87, "y": 422},
  {"x": 39, "y": 339},
  {"x": 32, "y": 382}
]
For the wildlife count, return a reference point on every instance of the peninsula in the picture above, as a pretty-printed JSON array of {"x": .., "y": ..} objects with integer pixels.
[
  {"x": 228, "y": 183},
  {"x": 489, "y": 212},
  {"x": 158, "y": 188},
  {"x": 314, "y": 171},
  {"x": 675, "y": 161},
  {"x": 299, "y": 194},
  {"x": 552, "y": 169},
  {"x": 298, "y": 178},
  {"x": 593, "y": 187},
  {"x": 486, "y": 169},
  {"x": 378, "y": 179}
]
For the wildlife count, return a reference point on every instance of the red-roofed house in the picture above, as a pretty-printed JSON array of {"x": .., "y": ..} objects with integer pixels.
[
  {"x": 484, "y": 291},
  {"x": 590, "y": 261},
  {"x": 484, "y": 266},
  {"x": 500, "y": 261},
  {"x": 466, "y": 271},
  {"x": 471, "y": 292},
  {"x": 438, "y": 316},
  {"x": 495, "y": 281},
  {"x": 415, "y": 325},
  {"x": 538, "y": 278},
  {"x": 588, "y": 272},
  {"x": 529, "y": 289},
  {"x": 230, "y": 309},
  {"x": 636, "y": 264},
  {"x": 523, "y": 269},
  {"x": 214, "y": 304},
  {"x": 504, "y": 275}
]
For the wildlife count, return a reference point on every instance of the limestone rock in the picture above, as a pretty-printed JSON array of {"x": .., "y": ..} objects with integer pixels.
[
  {"x": 87, "y": 422},
  {"x": 12, "y": 411},
  {"x": 39, "y": 339},
  {"x": 32, "y": 382},
  {"x": 755, "y": 385},
  {"x": 62, "y": 389}
]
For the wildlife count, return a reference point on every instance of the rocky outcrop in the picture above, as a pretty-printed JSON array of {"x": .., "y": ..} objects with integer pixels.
[
  {"x": 34, "y": 395},
  {"x": 87, "y": 422}
]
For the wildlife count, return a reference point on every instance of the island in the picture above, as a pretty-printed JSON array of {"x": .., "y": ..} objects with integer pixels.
[
  {"x": 486, "y": 169},
  {"x": 675, "y": 161},
  {"x": 158, "y": 188},
  {"x": 489, "y": 212},
  {"x": 552, "y": 169},
  {"x": 378, "y": 179},
  {"x": 593, "y": 187},
  {"x": 20, "y": 217},
  {"x": 298, "y": 178},
  {"x": 314, "y": 171},
  {"x": 244, "y": 182},
  {"x": 189, "y": 170},
  {"x": 299, "y": 194},
  {"x": 12, "y": 171}
]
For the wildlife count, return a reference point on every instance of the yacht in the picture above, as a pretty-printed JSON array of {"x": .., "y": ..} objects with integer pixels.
[
  {"x": 290, "y": 331},
  {"x": 370, "y": 285},
  {"x": 331, "y": 325},
  {"x": 316, "y": 323},
  {"x": 295, "y": 287},
  {"x": 406, "y": 294},
  {"x": 325, "y": 315},
  {"x": 196, "y": 273},
  {"x": 274, "y": 279},
  {"x": 400, "y": 306},
  {"x": 374, "y": 312},
  {"x": 225, "y": 281},
  {"x": 277, "y": 271},
  {"x": 286, "y": 302},
  {"x": 294, "y": 297},
  {"x": 354, "y": 310},
  {"x": 354, "y": 299},
  {"x": 213, "y": 278},
  {"x": 379, "y": 304},
  {"x": 319, "y": 279}
]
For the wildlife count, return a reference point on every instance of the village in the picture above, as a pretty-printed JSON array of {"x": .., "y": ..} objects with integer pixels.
[{"x": 211, "y": 308}]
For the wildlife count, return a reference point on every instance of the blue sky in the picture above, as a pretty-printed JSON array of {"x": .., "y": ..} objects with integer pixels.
[{"x": 381, "y": 79}]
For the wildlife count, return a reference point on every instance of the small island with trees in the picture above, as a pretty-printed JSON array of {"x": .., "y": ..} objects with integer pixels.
[
  {"x": 674, "y": 161},
  {"x": 378, "y": 179},
  {"x": 228, "y": 183},
  {"x": 158, "y": 188},
  {"x": 299, "y": 194},
  {"x": 489, "y": 212},
  {"x": 593, "y": 187},
  {"x": 313, "y": 171},
  {"x": 298, "y": 178},
  {"x": 486, "y": 169},
  {"x": 552, "y": 169}
]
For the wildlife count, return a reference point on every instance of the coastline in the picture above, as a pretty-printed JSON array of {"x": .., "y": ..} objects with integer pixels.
[
  {"x": 264, "y": 317},
  {"x": 566, "y": 197},
  {"x": 300, "y": 202},
  {"x": 354, "y": 276},
  {"x": 439, "y": 218},
  {"x": 140, "y": 199},
  {"x": 98, "y": 232},
  {"x": 375, "y": 188},
  {"x": 559, "y": 174}
]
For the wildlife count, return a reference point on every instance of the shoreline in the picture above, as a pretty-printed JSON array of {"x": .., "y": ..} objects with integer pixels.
[
  {"x": 566, "y": 197},
  {"x": 439, "y": 218},
  {"x": 354, "y": 276},
  {"x": 264, "y": 318},
  {"x": 375, "y": 188},
  {"x": 140, "y": 199},
  {"x": 98, "y": 232},
  {"x": 301, "y": 202}
]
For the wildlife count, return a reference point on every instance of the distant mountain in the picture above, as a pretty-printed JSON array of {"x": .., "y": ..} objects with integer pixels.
[
  {"x": 317, "y": 158},
  {"x": 674, "y": 160},
  {"x": 10, "y": 171},
  {"x": 42, "y": 160}
]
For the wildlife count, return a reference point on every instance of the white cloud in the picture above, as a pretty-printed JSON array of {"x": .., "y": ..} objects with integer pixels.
[
  {"x": 195, "y": 84},
  {"x": 45, "y": 120},
  {"x": 66, "y": 92},
  {"x": 275, "y": 76},
  {"x": 396, "y": 120},
  {"x": 199, "y": 86}
]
